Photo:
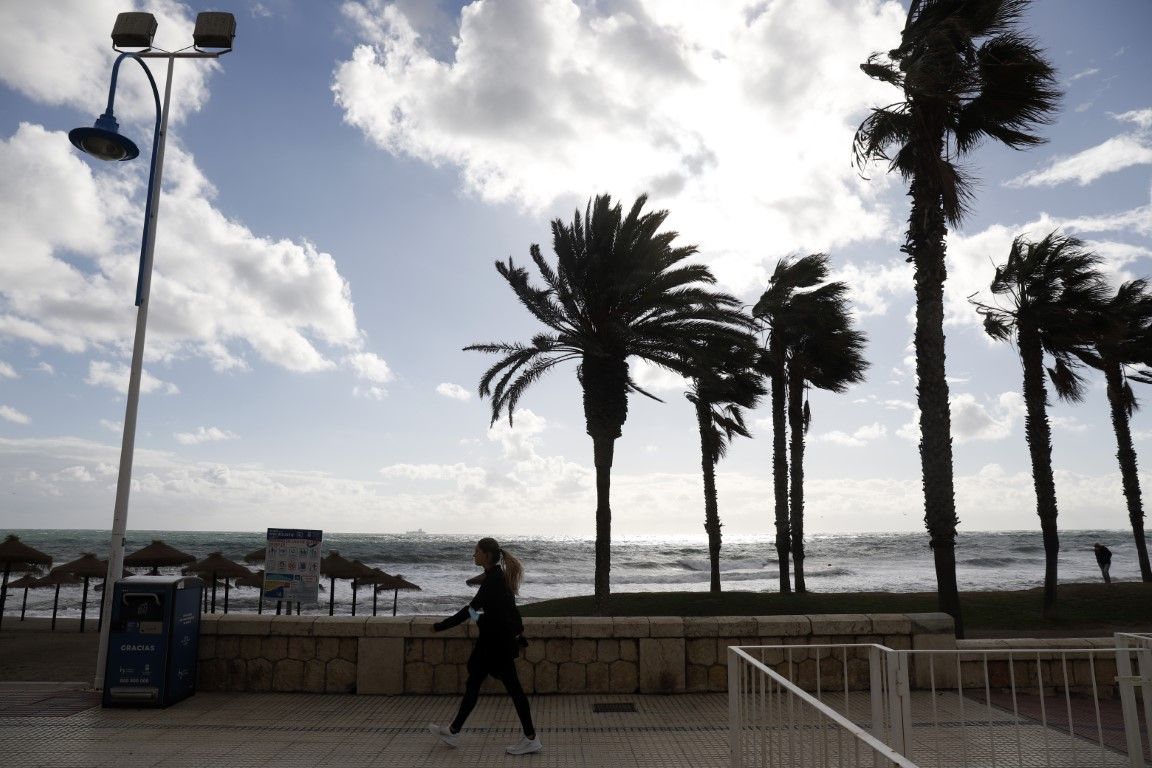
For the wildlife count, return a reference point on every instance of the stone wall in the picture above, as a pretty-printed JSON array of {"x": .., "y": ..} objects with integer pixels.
[
  {"x": 386, "y": 655},
  {"x": 1050, "y": 670}
]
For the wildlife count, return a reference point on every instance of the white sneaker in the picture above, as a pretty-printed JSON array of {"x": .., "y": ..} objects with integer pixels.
[
  {"x": 444, "y": 733},
  {"x": 525, "y": 746}
]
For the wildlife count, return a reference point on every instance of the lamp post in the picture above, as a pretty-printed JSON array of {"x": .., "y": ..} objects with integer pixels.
[{"x": 103, "y": 140}]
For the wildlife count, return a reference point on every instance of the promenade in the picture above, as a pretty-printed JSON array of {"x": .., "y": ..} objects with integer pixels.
[{"x": 59, "y": 724}]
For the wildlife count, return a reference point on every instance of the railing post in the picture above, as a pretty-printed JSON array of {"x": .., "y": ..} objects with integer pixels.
[
  {"x": 1125, "y": 680},
  {"x": 899, "y": 705},
  {"x": 876, "y": 696},
  {"x": 735, "y": 726}
]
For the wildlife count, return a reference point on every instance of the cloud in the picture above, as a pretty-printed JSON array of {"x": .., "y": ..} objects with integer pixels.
[
  {"x": 1083, "y": 74},
  {"x": 112, "y": 426},
  {"x": 1115, "y": 154},
  {"x": 8, "y": 413},
  {"x": 463, "y": 475},
  {"x": 370, "y": 366},
  {"x": 993, "y": 419},
  {"x": 1140, "y": 117},
  {"x": 871, "y": 286},
  {"x": 857, "y": 439},
  {"x": 453, "y": 391},
  {"x": 7, "y": 371},
  {"x": 204, "y": 435},
  {"x": 655, "y": 378},
  {"x": 45, "y": 367},
  {"x": 115, "y": 376},
  {"x": 703, "y": 105}
]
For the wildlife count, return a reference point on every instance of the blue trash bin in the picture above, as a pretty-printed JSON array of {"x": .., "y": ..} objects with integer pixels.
[{"x": 153, "y": 641}]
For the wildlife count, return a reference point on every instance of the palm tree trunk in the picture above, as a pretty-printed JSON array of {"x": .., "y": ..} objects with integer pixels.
[
  {"x": 1039, "y": 436},
  {"x": 1126, "y": 455},
  {"x": 796, "y": 473},
  {"x": 605, "y": 383},
  {"x": 925, "y": 245},
  {"x": 779, "y": 458},
  {"x": 711, "y": 508}
]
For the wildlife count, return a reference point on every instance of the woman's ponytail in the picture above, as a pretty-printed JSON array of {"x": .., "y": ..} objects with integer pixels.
[{"x": 513, "y": 571}]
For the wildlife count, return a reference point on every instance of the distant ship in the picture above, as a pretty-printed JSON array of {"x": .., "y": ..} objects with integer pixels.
[{"x": 417, "y": 532}]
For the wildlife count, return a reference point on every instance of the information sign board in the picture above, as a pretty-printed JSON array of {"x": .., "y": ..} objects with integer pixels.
[{"x": 292, "y": 565}]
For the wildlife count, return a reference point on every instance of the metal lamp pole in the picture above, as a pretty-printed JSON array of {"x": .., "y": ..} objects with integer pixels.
[{"x": 105, "y": 142}]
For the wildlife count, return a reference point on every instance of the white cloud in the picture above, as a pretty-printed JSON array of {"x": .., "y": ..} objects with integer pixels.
[
  {"x": 453, "y": 391},
  {"x": 370, "y": 366},
  {"x": 371, "y": 393},
  {"x": 1083, "y": 74},
  {"x": 703, "y": 105},
  {"x": 115, "y": 376},
  {"x": 993, "y": 419},
  {"x": 204, "y": 435},
  {"x": 112, "y": 426},
  {"x": 463, "y": 475},
  {"x": 871, "y": 286},
  {"x": 7, "y": 371},
  {"x": 655, "y": 378},
  {"x": 76, "y": 474},
  {"x": 1115, "y": 154},
  {"x": 857, "y": 439},
  {"x": 519, "y": 439},
  {"x": 8, "y": 413},
  {"x": 45, "y": 367},
  {"x": 1140, "y": 117}
]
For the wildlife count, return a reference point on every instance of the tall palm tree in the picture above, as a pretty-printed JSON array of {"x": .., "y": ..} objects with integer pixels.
[
  {"x": 790, "y": 277},
  {"x": 1053, "y": 294},
  {"x": 728, "y": 384},
  {"x": 619, "y": 289},
  {"x": 1125, "y": 340},
  {"x": 826, "y": 352},
  {"x": 966, "y": 73}
]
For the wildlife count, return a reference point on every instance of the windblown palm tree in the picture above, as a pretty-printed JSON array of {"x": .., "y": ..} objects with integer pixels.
[
  {"x": 728, "y": 383},
  {"x": 966, "y": 74},
  {"x": 1125, "y": 340},
  {"x": 1054, "y": 294},
  {"x": 619, "y": 289},
  {"x": 789, "y": 277},
  {"x": 823, "y": 351}
]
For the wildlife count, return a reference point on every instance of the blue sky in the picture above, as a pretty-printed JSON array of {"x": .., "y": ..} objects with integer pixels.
[{"x": 338, "y": 188}]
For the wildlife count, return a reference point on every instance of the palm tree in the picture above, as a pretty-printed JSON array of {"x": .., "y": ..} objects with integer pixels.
[
  {"x": 1054, "y": 294},
  {"x": 1125, "y": 340},
  {"x": 966, "y": 74},
  {"x": 619, "y": 290},
  {"x": 823, "y": 351},
  {"x": 789, "y": 277},
  {"x": 728, "y": 383}
]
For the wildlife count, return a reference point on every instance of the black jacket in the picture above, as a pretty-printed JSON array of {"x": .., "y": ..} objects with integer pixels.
[{"x": 500, "y": 622}]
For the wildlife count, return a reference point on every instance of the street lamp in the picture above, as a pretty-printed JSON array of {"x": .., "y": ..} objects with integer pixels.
[{"x": 135, "y": 30}]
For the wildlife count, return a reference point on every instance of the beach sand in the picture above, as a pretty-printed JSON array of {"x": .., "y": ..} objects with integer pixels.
[{"x": 32, "y": 652}]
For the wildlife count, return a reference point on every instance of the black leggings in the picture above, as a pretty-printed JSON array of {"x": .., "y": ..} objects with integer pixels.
[{"x": 504, "y": 670}]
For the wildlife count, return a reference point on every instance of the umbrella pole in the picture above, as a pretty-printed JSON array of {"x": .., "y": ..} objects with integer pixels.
[
  {"x": 297, "y": 609},
  {"x": 213, "y": 591},
  {"x": 104, "y": 591},
  {"x": 395, "y": 594},
  {"x": 55, "y": 602},
  {"x": 354, "y": 585},
  {"x": 24, "y": 604},
  {"x": 331, "y": 595},
  {"x": 260, "y": 604},
  {"x": 373, "y": 599},
  {"x": 4, "y": 591},
  {"x": 84, "y": 605},
  {"x": 225, "y": 595}
]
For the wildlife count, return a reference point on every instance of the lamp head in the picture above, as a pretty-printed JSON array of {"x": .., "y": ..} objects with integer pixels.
[
  {"x": 214, "y": 29},
  {"x": 103, "y": 140},
  {"x": 133, "y": 30}
]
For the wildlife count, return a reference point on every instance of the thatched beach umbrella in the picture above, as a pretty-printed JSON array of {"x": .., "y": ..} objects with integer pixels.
[
  {"x": 56, "y": 578},
  {"x": 157, "y": 555},
  {"x": 336, "y": 567},
  {"x": 24, "y": 582},
  {"x": 395, "y": 583},
  {"x": 217, "y": 565},
  {"x": 256, "y": 555},
  {"x": 85, "y": 567},
  {"x": 17, "y": 556},
  {"x": 254, "y": 580},
  {"x": 364, "y": 575}
]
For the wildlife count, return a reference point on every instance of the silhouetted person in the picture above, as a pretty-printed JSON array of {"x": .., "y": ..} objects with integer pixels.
[
  {"x": 501, "y": 637},
  {"x": 1104, "y": 560}
]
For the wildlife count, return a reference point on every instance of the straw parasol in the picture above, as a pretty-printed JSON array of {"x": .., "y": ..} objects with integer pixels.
[
  {"x": 256, "y": 555},
  {"x": 217, "y": 565},
  {"x": 394, "y": 583},
  {"x": 156, "y": 555},
  {"x": 86, "y": 567},
  {"x": 24, "y": 582},
  {"x": 254, "y": 579},
  {"x": 17, "y": 556},
  {"x": 364, "y": 575},
  {"x": 56, "y": 578},
  {"x": 336, "y": 567}
]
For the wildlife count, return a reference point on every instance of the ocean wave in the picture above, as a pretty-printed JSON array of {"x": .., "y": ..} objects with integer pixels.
[{"x": 990, "y": 562}]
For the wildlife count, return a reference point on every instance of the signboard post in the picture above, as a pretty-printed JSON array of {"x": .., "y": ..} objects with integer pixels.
[{"x": 292, "y": 565}]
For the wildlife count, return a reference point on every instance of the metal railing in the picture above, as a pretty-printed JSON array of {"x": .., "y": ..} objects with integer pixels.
[
  {"x": 825, "y": 705},
  {"x": 1134, "y": 670}
]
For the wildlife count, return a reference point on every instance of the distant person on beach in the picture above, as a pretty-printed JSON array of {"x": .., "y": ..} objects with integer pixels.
[
  {"x": 501, "y": 629},
  {"x": 1104, "y": 560}
]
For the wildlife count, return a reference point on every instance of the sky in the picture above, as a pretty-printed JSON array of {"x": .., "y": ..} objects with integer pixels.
[{"x": 338, "y": 188}]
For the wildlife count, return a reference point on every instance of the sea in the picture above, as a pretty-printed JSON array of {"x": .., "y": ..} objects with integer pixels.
[{"x": 558, "y": 566}]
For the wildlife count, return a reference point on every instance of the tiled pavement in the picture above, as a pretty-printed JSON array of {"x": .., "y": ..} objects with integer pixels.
[{"x": 62, "y": 727}]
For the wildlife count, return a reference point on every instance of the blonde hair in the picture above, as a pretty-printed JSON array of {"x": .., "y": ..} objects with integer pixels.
[{"x": 513, "y": 568}]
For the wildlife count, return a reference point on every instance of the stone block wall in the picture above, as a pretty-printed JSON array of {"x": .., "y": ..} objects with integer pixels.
[
  {"x": 1055, "y": 664},
  {"x": 401, "y": 655}
]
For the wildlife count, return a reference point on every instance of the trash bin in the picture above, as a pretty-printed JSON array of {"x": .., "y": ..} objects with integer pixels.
[{"x": 153, "y": 641}]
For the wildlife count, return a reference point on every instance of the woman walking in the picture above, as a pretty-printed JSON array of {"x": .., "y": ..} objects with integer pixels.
[{"x": 495, "y": 613}]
